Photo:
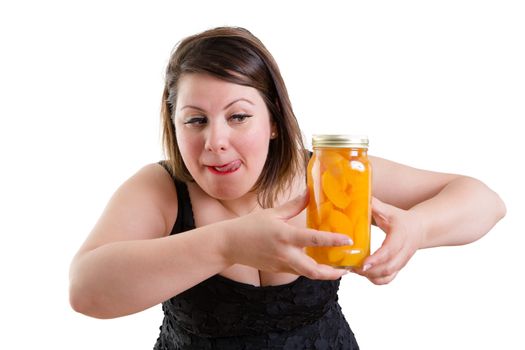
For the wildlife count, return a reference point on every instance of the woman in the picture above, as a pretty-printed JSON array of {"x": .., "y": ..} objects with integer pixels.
[{"x": 216, "y": 232}]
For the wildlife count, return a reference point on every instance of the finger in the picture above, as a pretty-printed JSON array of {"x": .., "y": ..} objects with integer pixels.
[
  {"x": 380, "y": 213},
  {"x": 326, "y": 272},
  {"x": 381, "y": 256},
  {"x": 378, "y": 275},
  {"x": 293, "y": 207},
  {"x": 380, "y": 271},
  {"x": 306, "y": 266},
  {"x": 379, "y": 263},
  {"x": 400, "y": 260},
  {"x": 383, "y": 280},
  {"x": 313, "y": 238},
  {"x": 390, "y": 266}
]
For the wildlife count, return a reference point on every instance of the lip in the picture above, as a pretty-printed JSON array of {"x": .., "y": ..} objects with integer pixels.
[{"x": 236, "y": 165}]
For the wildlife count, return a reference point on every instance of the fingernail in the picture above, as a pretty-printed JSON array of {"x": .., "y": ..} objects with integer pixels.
[
  {"x": 346, "y": 241},
  {"x": 366, "y": 267}
]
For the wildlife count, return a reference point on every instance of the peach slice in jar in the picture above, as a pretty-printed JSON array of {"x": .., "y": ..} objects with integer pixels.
[
  {"x": 319, "y": 254},
  {"x": 334, "y": 191},
  {"x": 336, "y": 255},
  {"x": 353, "y": 260},
  {"x": 330, "y": 158},
  {"x": 339, "y": 222}
]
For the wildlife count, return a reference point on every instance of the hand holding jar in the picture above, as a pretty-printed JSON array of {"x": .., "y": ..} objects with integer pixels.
[{"x": 404, "y": 236}]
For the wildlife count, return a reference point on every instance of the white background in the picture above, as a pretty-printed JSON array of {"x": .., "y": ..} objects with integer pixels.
[{"x": 435, "y": 84}]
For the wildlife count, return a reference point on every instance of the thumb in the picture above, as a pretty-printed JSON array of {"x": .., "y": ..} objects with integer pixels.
[
  {"x": 293, "y": 207},
  {"x": 380, "y": 212}
]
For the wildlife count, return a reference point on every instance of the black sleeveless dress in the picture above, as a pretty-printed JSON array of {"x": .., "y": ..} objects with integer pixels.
[{"x": 220, "y": 313}]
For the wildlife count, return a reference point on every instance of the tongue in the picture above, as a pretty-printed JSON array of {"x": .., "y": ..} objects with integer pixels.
[{"x": 228, "y": 167}]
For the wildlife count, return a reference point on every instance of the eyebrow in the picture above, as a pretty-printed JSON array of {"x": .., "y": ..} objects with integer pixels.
[{"x": 225, "y": 107}]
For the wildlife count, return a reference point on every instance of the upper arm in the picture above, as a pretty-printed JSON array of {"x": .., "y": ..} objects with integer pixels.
[
  {"x": 143, "y": 207},
  {"x": 403, "y": 186}
]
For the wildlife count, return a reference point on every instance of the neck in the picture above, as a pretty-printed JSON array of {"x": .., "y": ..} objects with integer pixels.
[{"x": 242, "y": 206}]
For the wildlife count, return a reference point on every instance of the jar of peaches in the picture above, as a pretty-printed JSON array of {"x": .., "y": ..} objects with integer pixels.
[{"x": 339, "y": 182}]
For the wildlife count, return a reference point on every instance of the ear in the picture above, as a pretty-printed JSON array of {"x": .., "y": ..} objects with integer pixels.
[{"x": 273, "y": 131}]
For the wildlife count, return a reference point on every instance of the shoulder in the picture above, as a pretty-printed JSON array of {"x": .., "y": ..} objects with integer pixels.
[
  {"x": 150, "y": 189},
  {"x": 144, "y": 204},
  {"x": 143, "y": 207},
  {"x": 155, "y": 185},
  {"x": 152, "y": 180}
]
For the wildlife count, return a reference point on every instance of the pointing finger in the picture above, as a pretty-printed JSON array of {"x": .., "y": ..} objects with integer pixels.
[{"x": 314, "y": 238}]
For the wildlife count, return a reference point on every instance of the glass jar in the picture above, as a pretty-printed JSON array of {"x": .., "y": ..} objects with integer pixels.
[{"x": 339, "y": 181}]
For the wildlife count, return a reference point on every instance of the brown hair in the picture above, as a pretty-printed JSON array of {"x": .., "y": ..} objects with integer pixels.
[{"x": 235, "y": 55}]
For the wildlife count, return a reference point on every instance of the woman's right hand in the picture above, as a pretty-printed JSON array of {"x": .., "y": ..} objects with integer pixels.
[{"x": 265, "y": 240}]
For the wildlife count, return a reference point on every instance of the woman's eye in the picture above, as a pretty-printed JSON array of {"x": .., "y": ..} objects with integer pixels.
[
  {"x": 196, "y": 121},
  {"x": 239, "y": 118}
]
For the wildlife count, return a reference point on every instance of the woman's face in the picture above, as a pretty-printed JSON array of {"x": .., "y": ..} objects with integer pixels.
[{"x": 223, "y": 132}]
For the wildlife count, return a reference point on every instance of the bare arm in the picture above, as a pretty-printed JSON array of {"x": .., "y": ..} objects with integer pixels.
[
  {"x": 129, "y": 263},
  {"x": 125, "y": 277},
  {"x": 420, "y": 209},
  {"x": 462, "y": 212}
]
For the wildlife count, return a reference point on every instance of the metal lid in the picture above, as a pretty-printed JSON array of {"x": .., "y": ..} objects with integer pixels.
[{"x": 340, "y": 141}]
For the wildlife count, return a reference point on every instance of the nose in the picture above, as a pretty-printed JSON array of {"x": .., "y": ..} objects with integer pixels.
[{"x": 217, "y": 138}]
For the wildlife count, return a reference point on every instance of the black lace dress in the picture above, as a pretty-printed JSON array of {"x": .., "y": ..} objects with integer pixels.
[{"x": 220, "y": 313}]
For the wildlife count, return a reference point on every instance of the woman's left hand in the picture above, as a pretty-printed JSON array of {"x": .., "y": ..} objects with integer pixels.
[{"x": 404, "y": 235}]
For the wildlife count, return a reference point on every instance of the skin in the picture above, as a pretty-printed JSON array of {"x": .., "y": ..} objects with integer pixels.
[
  {"x": 227, "y": 127},
  {"x": 129, "y": 262}
]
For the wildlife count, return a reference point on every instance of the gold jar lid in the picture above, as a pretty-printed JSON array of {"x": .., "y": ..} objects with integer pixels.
[{"x": 340, "y": 141}]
